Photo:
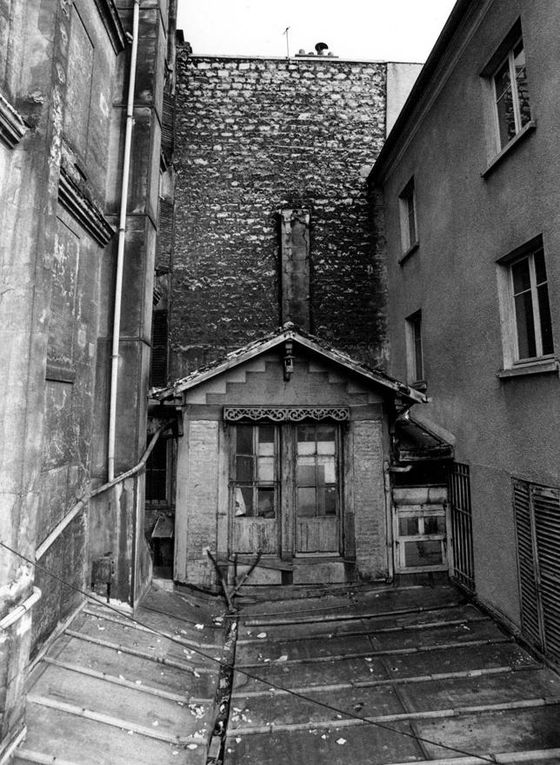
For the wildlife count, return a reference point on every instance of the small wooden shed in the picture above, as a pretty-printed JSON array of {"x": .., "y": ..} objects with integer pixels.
[{"x": 285, "y": 452}]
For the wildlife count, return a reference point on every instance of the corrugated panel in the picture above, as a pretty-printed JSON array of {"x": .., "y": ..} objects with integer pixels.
[
  {"x": 530, "y": 621},
  {"x": 546, "y": 506}
]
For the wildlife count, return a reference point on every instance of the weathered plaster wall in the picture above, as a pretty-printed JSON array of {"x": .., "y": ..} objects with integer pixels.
[
  {"x": 254, "y": 136},
  {"x": 503, "y": 427}
]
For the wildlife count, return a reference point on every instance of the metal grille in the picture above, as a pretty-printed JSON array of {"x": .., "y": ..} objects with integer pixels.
[
  {"x": 461, "y": 525},
  {"x": 537, "y": 515}
]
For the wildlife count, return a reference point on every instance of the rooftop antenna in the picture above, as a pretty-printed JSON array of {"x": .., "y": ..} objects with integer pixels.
[{"x": 286, "y": 32}]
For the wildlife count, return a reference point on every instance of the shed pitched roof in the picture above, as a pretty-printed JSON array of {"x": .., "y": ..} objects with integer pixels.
[{"x": 273, "y": 340}]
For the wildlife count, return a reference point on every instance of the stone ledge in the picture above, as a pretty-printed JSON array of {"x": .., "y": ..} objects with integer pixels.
[
  {"x": 12, "y": 126},
  {"x": 83, "y": 210}
]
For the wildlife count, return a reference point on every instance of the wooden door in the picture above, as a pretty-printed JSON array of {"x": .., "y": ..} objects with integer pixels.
[
  {"x": 255, "y": 490},
  {"x": 317, "y": 495}
]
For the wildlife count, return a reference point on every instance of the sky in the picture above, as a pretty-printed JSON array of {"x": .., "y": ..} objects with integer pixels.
[{"x": 378, "y": 30}]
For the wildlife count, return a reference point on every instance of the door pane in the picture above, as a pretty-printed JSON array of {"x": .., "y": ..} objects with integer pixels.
[
  {"x": 244, "y": 469},
  {"x": 265, "y": 506},
  {"x": 305, "y": 474},
  {"x": 306, "y": 502},
  {"x": 265, "y": 469},
  {"x": 244, "y": 439},
  {"x": 330, "y": 500}
]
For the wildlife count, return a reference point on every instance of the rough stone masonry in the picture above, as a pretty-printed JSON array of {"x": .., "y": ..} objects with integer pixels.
[{"x": 255, "y": 136}]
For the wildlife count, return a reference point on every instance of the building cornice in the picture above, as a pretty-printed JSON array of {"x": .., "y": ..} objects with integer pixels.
[
  {"x": 84, "y": 210},
  {"x": 12, "y": 126},
  {"x": 111, "y": 20}
]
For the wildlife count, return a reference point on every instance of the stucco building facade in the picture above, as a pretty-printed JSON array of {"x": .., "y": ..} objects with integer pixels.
[{"x": 468, "y": 179}]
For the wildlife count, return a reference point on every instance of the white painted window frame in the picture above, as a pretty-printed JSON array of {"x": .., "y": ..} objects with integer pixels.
[{"x": 508, "y": 316}]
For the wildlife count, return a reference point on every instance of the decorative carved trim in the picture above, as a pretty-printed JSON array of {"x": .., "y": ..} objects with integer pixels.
[
  {"x": 286, "y": 414},
  {"x": 111, "y": 21},
  {"x": 12, "y": 126},
  {"x": 83, "y": 210}
]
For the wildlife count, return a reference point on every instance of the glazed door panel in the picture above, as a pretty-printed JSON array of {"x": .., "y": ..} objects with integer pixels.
[
  {"x": 255, "y": 523},
  {"x": 317, "y": 502}
]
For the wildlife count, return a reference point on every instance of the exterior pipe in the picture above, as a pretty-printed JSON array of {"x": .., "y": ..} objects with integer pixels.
[
  {"x": 18, "y": 611},
  {"x": 79, "y": 506},
  {"x": 121, "y": 245}
]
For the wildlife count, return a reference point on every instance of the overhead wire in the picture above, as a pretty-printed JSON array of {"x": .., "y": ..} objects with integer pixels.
[{"x": 252, "y": 676}]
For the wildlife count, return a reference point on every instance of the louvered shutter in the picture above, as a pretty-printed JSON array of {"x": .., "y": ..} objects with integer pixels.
[
  {"x": 546, "y": 507},
  {"x": 530, "y": 621}
]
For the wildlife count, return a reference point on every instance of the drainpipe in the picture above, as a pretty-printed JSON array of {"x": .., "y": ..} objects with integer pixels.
[{"x": 121, "y": 244}]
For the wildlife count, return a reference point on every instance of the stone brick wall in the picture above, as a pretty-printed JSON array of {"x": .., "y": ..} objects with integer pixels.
[{"x": 255, "y": 136}]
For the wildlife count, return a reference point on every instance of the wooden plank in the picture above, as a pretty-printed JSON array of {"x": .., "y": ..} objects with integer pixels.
[
  {"x": 76, "y": 739},
  {"x": 137, "y": 685},
  {"x": 160, "y": 676},
  {"x": 386, "y": 652},
  {"x": 437, "y": 714},
  {"x": 164, "y": 717},
  {"x": 123, "y": 648},
  {"x": 114, "y": 722}
]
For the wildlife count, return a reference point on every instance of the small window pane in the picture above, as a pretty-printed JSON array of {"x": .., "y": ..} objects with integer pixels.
[
  {"x": 306, "y": 502},
  {"x": 540, "y": 268},
  {"x": 434, "y": 524},
  {"x": 266, "y": 434},
  {"x": 244, "y": 468},
  {"x": 422, "y": 553},
  {"x": 330, "y": 500},
  {"x": 306, "y": 448},
  {"x": 525, "y": 324},
  {"x": 243, "y": 501},
  {"x": 244, "y": 439},
  {"x": 306, "y": 433},
  {"x": 506, "y": 118},
  {"x": 502, "y": 80},
  {"x": 408, "y": 527},
  {"x": 265, "y": 506},
  {"x": 327, "y": 468},
  {"x": 546, "y": 321},
  {"x": 265, "y": 469},
  {"x": 306, "y": 474},
  {"x": 521, "y": 276}
]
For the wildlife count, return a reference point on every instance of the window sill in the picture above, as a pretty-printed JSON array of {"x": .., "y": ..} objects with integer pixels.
[
  {"x": 546, "y": 366},
  {"x": 411, "y": 250},
  {"x": 509, "y": 147}
]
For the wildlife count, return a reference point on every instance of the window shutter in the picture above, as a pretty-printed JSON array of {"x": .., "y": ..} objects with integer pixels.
[
  {"x": 530, "y": 621},
  {"x": 546, "y": 505},
  {"x": 158, "y": 371}
]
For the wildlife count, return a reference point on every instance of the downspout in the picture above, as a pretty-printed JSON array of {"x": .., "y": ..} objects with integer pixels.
[{"x": 121, "y": 245}]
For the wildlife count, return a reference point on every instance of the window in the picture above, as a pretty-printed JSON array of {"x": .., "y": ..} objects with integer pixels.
[
  {"x": 255, "y": 468},
  {"x": 409, "y": 232},
  {"x": 532, "y": 310},
  {"x": 414, "y": 354},
  {"x": 512, "y": 98},
  {"x": 525, "y": 311}
]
